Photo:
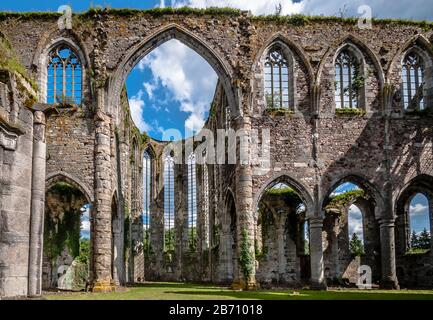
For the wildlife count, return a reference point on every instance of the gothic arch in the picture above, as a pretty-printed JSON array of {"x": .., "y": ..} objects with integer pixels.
[
  {"x": 422, "y": 183},
  {"x": 51, "y": 40},
  {"x": 292, "y": 52},
  {"x": 298, "y": 186},
  {"x": 56, "y": 177},
  {"x": 154, "y": 40},
  {"x": 422, "y": 44},
  {"x": 361, "y": 47},
  {"x": 361, "y": 181},
  {"x": 291, "y": 45}
]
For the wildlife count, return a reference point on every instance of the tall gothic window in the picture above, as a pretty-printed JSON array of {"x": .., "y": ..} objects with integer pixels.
[
  {"x": 134, "y": 176},
  {"x": 347, "y": 80},
  {"x": 64, "y": 76},
  {"x": 147, "y": 176},
  {"x": 413, "y": 81},
  {"x": 206, "y": 206},
  {"x": 169, "y": 232},
  {"x": 276, "y": 79},
  {"x": 192, "y": 202}
]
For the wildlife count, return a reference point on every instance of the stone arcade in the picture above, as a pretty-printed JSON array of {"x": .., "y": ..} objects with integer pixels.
[{"x": 92, "y": 146}]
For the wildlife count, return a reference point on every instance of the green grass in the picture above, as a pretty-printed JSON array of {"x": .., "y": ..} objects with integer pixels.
[{"x": 182, "y": 291}]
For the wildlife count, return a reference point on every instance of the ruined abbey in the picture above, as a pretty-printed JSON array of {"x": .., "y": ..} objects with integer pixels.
[{"x": 341, "y": 104}]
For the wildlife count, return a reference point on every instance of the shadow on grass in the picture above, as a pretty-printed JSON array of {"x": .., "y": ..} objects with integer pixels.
[
  {"x": 176, "y": 285},
  {"x": 308, "y": 295}
]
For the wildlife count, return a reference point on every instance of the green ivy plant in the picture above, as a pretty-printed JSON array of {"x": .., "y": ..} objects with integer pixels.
[{"x": 246, "y": 259}]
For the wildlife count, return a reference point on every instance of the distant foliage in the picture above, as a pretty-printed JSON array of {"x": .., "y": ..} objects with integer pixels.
[
  {"x": 420, "y": 243},
  {"x": 83, "y": 257},
  {"x": 356, "y": 247}
]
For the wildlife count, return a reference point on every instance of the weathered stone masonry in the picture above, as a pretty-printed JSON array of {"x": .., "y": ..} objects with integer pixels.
[{"x": 96, "y": 148}]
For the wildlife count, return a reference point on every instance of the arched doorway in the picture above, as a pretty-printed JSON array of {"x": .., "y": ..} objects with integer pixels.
[
  {"x": 413, "y": 230},
  {"x": 66, "y": 250},
  {"x": 352, "y": 233},
  {"x": 282, "y": 237}
]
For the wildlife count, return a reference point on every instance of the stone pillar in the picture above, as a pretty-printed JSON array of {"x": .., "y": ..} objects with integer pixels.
[
  {"x": 282, "y": 261},
  {"x": 334, "y": 247},
  {"x": 387, "y": 242},
  {"x": 430, "y": 206},
  {"x": 316, "y": 253},
  {"x": 101, "y": 239},
  {"x": 244, "y": 199},
  {"x": 37, "y": 205}
]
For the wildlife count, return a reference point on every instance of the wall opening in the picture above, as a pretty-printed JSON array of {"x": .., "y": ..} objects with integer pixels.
[{"x": 66, "y": 238}]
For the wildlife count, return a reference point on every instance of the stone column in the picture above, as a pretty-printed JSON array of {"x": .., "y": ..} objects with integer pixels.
[
  {"x": 244, "y": 198},
  {"x": 37, "y": 205},
  {"x": 282, "y": 261},
  {"x": 101, "y": 239},
  {"x": 430, "y": 206},
  {"x": 334, "y": 246},
  {"x": 316, "y": 253},
  {"x": 387, "y": 242}
]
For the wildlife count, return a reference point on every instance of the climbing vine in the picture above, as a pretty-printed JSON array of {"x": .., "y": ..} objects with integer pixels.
[{"x": 246, "y": 259}]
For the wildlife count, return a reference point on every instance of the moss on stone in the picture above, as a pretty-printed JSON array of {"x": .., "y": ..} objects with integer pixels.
[
  {"x": 278, "y": 111},
  {"x": 9, "y": 61},
  {"x": 428, "y": 112},
  {"x": 338, "y": 202},
  {"x": 157, "y": 12},
  {"x": 29, "y": 15},
  {"x": 350, "y": 111}
]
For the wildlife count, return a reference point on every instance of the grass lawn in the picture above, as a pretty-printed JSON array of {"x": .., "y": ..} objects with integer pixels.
[{"x": 182, "y": 291}]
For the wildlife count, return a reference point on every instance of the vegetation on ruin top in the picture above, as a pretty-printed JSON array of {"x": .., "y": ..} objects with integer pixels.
[
  {"x": 9, "y": 61},
  {"x": 294, "y": 19},
  {"x": 345, "y": 199}
]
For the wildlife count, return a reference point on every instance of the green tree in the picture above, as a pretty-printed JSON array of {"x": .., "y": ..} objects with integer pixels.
[
  {"x": 356, "y": 246},
  {"x": 84, "y": 251},
  {"x": 424, "y": 240},
  {"x": 414, "y": 241}
]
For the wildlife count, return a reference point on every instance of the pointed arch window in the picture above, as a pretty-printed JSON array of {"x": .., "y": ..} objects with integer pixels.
[
  {"x": 413, "y": 81},
  {"x": 147, "y": 176},
  {"x": 192, "y": 202},
  {"x": 169, "y": 232},
  {"x": 206, "y": 205},
  {"x": 276, "y": 79},
  {"x": 64, "y": 76},
  {"x": 134, "y": 176},
  {"x": 347, "y": 81}
]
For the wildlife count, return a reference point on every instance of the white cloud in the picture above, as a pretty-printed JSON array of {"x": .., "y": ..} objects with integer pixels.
[
  {"x": 355, "y": 222},
  {"x": 257, "y": 7},
  {"x": 186, "y": 75},
  {"x": 136, "y": 105},
  {"x": 418, "y": 209},
  {"x": 410, "y": 9},
  {"x": 149, "y": 89}
]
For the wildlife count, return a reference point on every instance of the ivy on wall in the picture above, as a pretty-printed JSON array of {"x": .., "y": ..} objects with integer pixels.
[
  {"x": 62, "y": 226},
  {"x": 246, "y": 259}
]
